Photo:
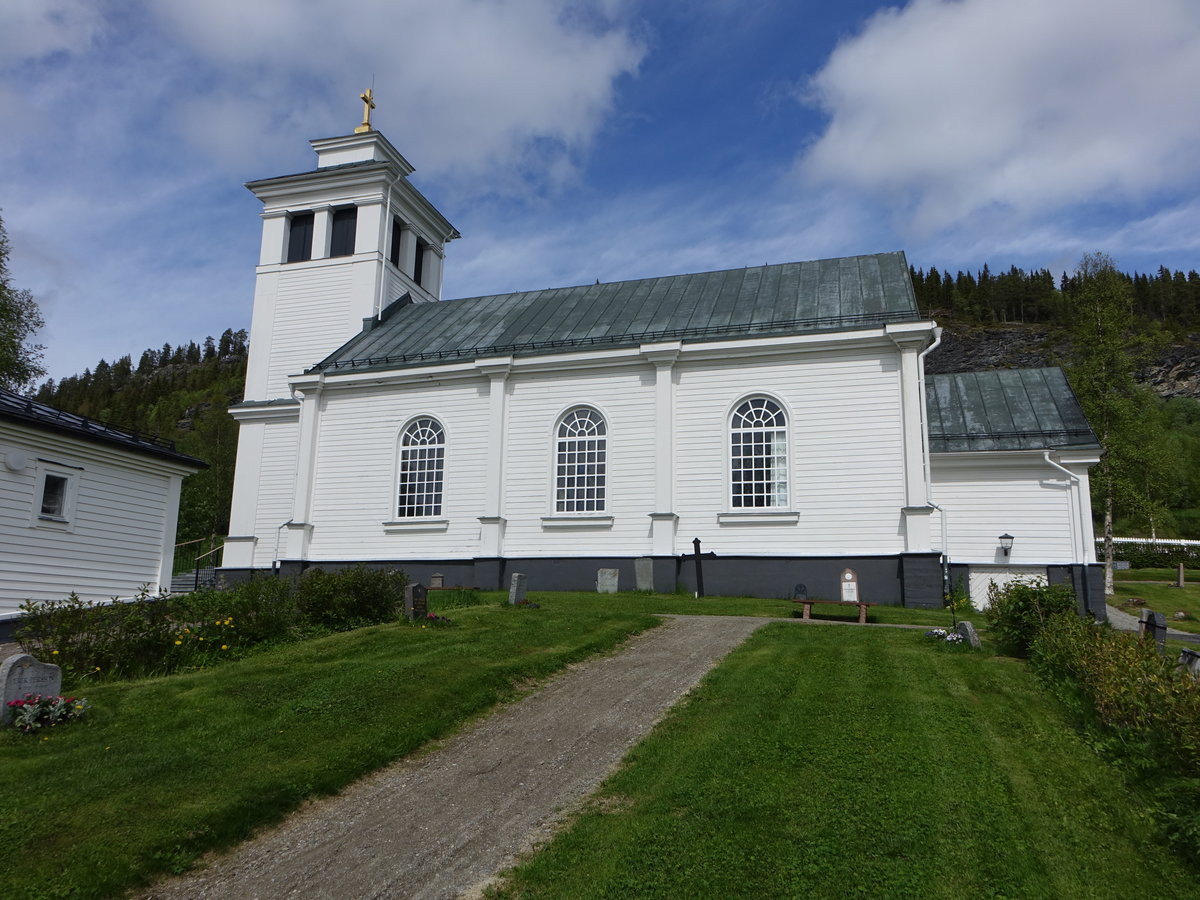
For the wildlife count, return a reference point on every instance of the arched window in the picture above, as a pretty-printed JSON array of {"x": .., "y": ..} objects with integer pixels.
[
  {"x": 581, "y": 462},
  {"x": 758, "y": 455},
  {"x": 422, "y": 460}
]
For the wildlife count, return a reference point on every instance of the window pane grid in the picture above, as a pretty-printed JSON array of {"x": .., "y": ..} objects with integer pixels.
[
  {"x": 581, "y": 462},
  {"x": 422, "y": 464},
  {"x": 758, "y": 452}
]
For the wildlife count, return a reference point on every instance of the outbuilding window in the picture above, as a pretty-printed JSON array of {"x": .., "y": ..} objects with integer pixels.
[
  {"x": 758, "y": 455},
  {"x": 422, "y": 463},
  {"x": 581, "y": 468}
]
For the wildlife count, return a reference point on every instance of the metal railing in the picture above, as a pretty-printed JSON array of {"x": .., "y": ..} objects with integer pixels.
[{"x": 196, "y": 555}]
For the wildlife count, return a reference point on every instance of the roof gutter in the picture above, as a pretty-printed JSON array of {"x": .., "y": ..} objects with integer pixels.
[{"x": 924, "y": 412}]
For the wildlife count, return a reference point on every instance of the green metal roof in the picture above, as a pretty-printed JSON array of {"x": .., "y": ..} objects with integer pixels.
[
  {"x": 1009, "y": 409},
  {"x": 792, "y": 298}
]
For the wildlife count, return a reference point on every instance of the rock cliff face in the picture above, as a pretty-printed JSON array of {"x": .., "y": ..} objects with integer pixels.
[{"x": 1175, "y": 373}]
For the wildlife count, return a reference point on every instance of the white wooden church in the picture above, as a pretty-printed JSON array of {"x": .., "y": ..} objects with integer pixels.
[{"x": 780, "y": 414}]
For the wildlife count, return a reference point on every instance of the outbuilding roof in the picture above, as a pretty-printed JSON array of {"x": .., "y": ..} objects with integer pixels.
[
  {"x": 1008, "y": 409},
  {"x": 791, "y": 298},
  {"x": 16, "y": 408}
]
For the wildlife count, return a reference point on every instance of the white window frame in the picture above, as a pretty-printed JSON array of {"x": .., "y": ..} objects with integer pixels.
[
  {"x": 563, "y": 504},
  {"x": 65, "y": 519},
  {"x": 779, "y": 484},
  {"x": 431, "y": 510}
]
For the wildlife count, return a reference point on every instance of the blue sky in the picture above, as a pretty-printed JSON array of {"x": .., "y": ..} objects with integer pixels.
[{"x": 570, "y": 140}]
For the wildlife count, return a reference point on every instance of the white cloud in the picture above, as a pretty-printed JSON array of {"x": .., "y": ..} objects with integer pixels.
[
  {"x": 947, "y": 109},
  {"x": 498, "y": 91}
]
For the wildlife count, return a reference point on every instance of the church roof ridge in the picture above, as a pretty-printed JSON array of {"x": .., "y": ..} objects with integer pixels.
[{"x": 838, "y": 293}]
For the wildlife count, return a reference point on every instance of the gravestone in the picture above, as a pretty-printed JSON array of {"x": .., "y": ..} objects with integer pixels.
[
  {"x": 516, "y": 588},
  {"x": 416, "y": 601},
  {"x": 1120, "y": 564},
  {"x": 1153, "y": 625},
  {"x": 1180, "y": 581},
  {"x": 849, "y": 586},
  {"x": 437, "y": 580},
  {"x": 643, "y": 573},
  {"x": 967, "y": 630},
  {"x": 21, "y": 674},
  {"x": 1190, "y": 660},
  {"x": 607, "y": 580}
]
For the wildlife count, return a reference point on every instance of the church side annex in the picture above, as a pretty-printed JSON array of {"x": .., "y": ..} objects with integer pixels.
[{"x": 778, "y": 413}]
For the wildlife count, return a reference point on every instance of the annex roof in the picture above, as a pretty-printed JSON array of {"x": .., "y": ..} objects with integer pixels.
[
  {"x": 16, "y": 408},
  {"x": 1008, "y": 409},
  {"x": 791, "y": 298}
]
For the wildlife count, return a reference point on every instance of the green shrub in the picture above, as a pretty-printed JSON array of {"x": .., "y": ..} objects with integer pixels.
[
  {"x": 1152, "y": 555},
  {"x": 1144, "y": 711},
  {"x": 1020, "y": 609},
  {"x": 155, "y": 635},
  {"x": 351, "y": 597}
]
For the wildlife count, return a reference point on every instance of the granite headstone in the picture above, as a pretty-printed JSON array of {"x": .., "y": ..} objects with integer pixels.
[
  {"x": 967, "y": 630},
  {"x": 516, "y": 588},
  {"x": 21, "y": 674},
  {"x": 607, "y": 580},
  {"x": 643, "y": 573}
]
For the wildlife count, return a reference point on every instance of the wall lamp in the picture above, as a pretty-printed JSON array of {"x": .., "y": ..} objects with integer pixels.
[{"x": 1006, "y": 543}]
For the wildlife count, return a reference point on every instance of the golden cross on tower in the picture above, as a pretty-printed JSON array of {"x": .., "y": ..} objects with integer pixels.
[{"x": 368, "y": 99}]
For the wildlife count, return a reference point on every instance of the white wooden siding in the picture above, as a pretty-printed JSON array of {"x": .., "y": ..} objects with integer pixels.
[
  {"x": 355, "y": 480},
  {"x": 116, "y": 541},
  {"x": 845, "y": 453},
  {"x": 984, "y": 498},
  {"x": 277, "y": 480},
  {"x": 311, "y": 320},
  {"x": 625, "y": 397}
]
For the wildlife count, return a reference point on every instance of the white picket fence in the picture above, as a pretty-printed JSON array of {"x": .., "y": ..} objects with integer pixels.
[{"x": 1150, "y": 542}]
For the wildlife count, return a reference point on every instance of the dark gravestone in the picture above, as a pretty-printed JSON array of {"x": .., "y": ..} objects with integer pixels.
[
  {"x": 516, "y": 588},
  {"x": 22, "y": 674},
  {"x": 967, "y": 630},
  {"x": 1153, "y": 625},
  {"x": 416, "y": 602}
]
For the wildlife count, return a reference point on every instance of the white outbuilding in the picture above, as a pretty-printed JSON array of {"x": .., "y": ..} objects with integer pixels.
[
  {"x": 779, "y": 414},
  {"x": 84, "y": 506}
]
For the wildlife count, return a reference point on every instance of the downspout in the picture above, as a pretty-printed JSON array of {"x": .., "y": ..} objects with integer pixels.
[
  {"x": 1087, "y": 591},
  {"x": 275, "y": 560},
  {"x": 924, "y": 412},
  {"x": 387, "y": 221}
]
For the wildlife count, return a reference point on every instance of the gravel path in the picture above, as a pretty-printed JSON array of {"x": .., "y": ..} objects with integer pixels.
[
  {"x": 1123, "y": 621},
  {"x": 441, "y": 825}
]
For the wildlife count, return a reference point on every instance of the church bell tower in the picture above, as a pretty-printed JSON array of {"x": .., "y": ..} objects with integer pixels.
[{"x": 340, "y": 244}]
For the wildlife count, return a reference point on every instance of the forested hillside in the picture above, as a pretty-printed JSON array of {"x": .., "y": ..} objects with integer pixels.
[
  {"x": 180, "y": 394},
  {"x": 1016, "y": 318}
]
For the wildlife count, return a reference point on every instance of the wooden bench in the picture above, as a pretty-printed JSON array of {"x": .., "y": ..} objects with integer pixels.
[{"x": 808, "y": 605}]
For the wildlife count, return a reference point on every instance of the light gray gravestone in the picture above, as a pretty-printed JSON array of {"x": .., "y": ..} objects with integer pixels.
[
  {"x": 849, "y": 586},
  {"x": 1153, "y": 625},
  {"x": 21, "y": 674},
  {"x": 607, "y": 580},
  {"x": 967, "y": 630},
  {"x": 516, "y": 588},
  {"x": 643, "y": 573},
  {"x": 437, "y": 580},
  {"x": 1190, "y": 660},
  {"x": 416, "y": 601}
]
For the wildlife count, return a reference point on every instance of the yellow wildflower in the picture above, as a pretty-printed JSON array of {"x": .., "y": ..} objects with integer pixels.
[
  {"x": 224, "y": 646},
  {"x": 177, "y": 643},
  {"x": 54, "y": 653}
]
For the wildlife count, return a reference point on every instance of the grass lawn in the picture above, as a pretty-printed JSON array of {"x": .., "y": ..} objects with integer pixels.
[
  {"x": 682, "y": 604},
  {"x": 1162, "y": 597},
  {"x": 858, "y": 762},
  {"x": 168, "y": 768}
]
